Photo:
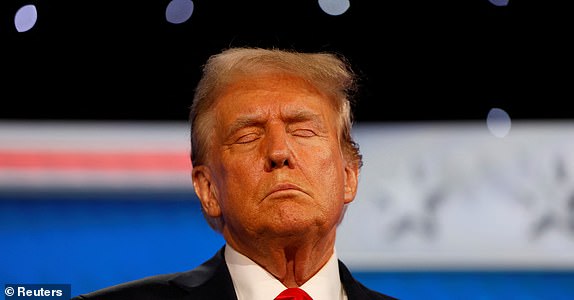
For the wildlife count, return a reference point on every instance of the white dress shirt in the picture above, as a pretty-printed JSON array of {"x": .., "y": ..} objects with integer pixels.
[{"x": 252, "y": 282}]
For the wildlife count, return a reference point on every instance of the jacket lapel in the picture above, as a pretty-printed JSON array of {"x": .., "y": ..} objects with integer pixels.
[
  {"x": 211, "y": 280},
  {"x": 352, "y": 287}
]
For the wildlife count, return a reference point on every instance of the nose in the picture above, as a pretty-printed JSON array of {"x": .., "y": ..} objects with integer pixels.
[{"x": 278, "y": 150}]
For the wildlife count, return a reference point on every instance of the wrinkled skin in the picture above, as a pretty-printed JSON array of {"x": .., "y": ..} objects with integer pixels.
[{"x": 277, "y": 174}]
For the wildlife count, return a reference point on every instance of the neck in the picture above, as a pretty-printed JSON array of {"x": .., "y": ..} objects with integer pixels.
[{"x": 291, "y": 261}]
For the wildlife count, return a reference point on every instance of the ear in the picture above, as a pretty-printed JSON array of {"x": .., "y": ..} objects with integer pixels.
[
  {"x": 206, "y": 190},
  {"x": 351, "y": 181}
]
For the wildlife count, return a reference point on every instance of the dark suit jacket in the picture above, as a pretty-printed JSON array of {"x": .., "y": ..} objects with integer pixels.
[{"x": 209, "y": 281}]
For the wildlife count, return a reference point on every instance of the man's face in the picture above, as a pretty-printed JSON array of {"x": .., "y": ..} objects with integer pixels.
[{"x": 276, "y": 167}]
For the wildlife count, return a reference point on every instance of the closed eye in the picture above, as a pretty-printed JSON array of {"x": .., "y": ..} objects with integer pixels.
[
  {"x": 247, "y": 138},
  {"x": 304, "y": 133}
]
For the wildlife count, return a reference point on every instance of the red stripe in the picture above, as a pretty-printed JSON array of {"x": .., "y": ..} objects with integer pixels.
[{"x": 152, "y": 161}]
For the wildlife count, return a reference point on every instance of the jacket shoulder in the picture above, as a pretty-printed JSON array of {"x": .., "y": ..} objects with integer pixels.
[
  {"x": 153, "y": 287},
  {"x": 203, "y": 282},
  {"x": 356, "y": 289},
  {"x": 375, "y": 295}
]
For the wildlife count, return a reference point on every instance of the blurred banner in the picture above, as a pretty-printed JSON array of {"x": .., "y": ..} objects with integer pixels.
[
  {"x": 455, "y": 195},
  {"x": 85, "y": 156},
  {"x": 431, "y": 195}
]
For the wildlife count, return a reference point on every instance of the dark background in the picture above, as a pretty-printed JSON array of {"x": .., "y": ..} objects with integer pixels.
[
  {"x": 419, "y": 59},
  {"x": 121, "y": 60}
]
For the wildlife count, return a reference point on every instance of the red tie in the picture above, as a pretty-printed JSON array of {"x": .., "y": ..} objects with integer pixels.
[{"x": 293, "y": 294}]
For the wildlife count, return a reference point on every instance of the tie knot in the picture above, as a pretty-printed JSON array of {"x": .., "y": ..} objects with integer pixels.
[{"x": 293, "y": 294}]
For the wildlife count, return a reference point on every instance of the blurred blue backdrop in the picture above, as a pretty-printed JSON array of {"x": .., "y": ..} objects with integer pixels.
[{"x": 95, "y": 240}]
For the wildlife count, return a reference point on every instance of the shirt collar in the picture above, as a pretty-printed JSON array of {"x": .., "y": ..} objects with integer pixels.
[{"x": 252, "y": 282}]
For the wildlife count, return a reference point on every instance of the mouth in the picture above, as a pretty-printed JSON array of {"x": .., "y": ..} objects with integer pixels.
[{"x": 285, "y": 189}]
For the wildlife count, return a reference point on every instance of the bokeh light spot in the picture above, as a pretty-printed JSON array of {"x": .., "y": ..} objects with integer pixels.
[
  {"x": 179, "y": 11},
  {"x": 499, "y": 2},
  {"x": 25, "y": 18},
  {"x": 498, "y": 122},
  {"x": 334, "y": 7}
]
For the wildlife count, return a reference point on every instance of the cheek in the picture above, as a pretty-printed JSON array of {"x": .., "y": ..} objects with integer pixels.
[
  {"x": 329, "y": 171},
  {"x": 239, "y": 180},
  {"x": 330, "y": 159}
]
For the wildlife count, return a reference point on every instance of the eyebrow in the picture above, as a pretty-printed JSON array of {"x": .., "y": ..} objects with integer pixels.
[
  {"x": 306, "y": 116},
  {"x": 245, "y": 121},
  {"x": 297, "y": 116}
]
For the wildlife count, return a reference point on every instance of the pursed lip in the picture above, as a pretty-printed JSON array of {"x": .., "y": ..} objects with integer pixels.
[{"x": 284, "y": 187}]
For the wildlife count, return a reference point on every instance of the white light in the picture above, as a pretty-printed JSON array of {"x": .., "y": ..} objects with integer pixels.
[
  {"x": 25, "y": 18},
  {"x": 334, "y": 7},
  {"x": 499, "y": 2},
  {"x": 179, "y": 11},
  {"x": 498, "y": 122}
]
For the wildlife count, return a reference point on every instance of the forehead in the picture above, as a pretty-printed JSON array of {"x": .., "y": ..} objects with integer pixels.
[
  {"x": 270, "y": 81},
  {"x": 260, "y": 92}
]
